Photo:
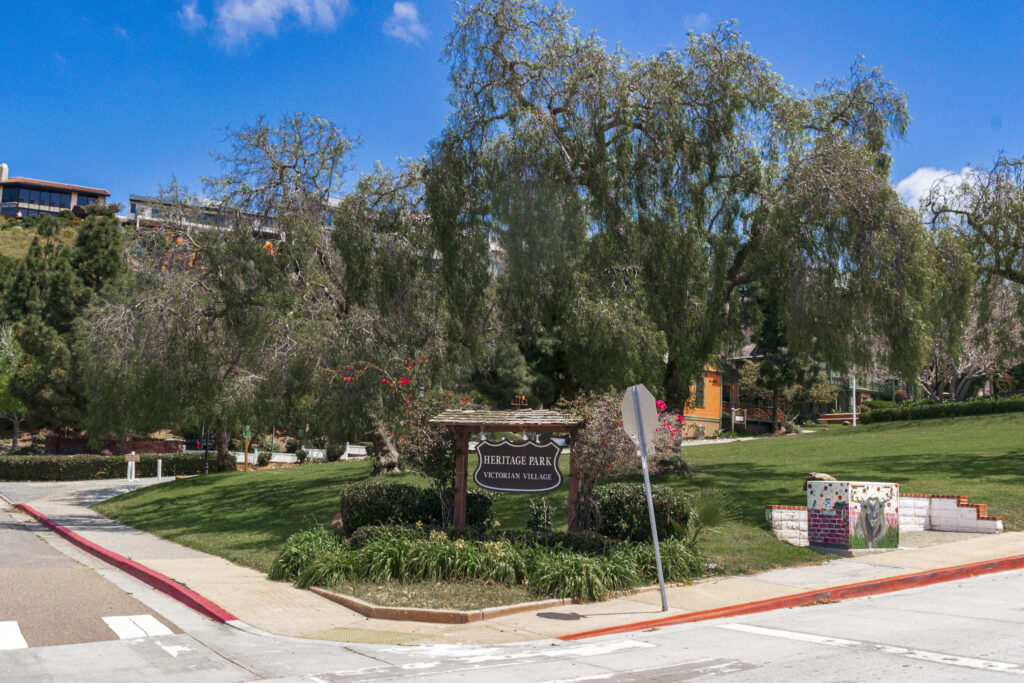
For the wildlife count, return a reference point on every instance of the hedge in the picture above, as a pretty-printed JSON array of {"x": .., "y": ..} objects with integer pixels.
[
  {"x": 376, "y": 502},
  {"x": 79, "y": 467},
  {"x": 624, "y": 515},
  {"x": 985, "y": 406}
]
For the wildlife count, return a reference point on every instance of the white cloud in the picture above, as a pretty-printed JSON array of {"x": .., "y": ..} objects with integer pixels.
[
  {"x": 697, "y": 22},
  {"x": 190, "y": 17},
  {"x": 121, "y": 31},
  {"x": 404, "y": 23},
  {"x": 916, "y": 186},
  {"x": 238, "y": 20}
]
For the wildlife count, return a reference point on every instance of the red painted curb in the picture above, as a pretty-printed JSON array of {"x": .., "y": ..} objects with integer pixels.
[
  {"x": 155, "y": 579},
  {"x": 846, "y": 592}
]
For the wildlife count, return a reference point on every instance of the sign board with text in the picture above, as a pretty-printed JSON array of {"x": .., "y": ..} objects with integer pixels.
[
  {"x": 518, "y": 467},
  {"x": 131, "y": 457}
]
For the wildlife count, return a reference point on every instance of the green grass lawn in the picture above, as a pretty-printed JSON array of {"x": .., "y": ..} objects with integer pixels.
[{"x": 245, "y": 517}]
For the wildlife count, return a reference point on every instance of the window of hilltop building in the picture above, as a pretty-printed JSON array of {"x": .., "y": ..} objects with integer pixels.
[
  {"x": 10, "y": 194},
  {"x": 86, "y": 200},
  {"x": 698, "y": 391}
]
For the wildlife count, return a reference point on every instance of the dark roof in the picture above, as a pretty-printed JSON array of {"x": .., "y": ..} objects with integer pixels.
[
  {"x": 549, "y": 420},
  {"x": 31, "y": 182}
]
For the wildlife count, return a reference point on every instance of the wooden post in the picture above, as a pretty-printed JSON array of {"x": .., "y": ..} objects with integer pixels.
[
  {"x": 461, "y": 459},
  {"x": 574, "y": 483}
]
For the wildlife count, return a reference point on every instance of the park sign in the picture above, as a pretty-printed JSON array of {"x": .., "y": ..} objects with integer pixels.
[{"x": 518, "y": 467}]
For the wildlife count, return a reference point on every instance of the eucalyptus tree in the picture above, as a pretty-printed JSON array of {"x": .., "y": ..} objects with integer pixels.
[
  {"x": 212, "y": 329},
  {"x": 304, "y": 308},
  {"x": 660, "y": 189},
  {"x": 386, "y": 342}
]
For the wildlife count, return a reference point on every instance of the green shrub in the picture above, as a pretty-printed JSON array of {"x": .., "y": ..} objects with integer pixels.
[
  {"x": 588, "y": 542},
  {"x": 365, "y": 535},
  {"x": 318, "y": 558},
  {"x": 918, "y": 410},
  {"x": 581, "y": 577},
  {"x": 334, "y": 452},
  {"x": 291, "y": 446},
  {"x": 300, "y": 549},
  {"x": 540, "y": 515},
  {"x": 623, "y": 508},
  {"x": 877, "y": 404},
  {"x": 79, "y": 467},
  {"x": 679, "y": 560},
  {"x": 301, "y": 455},
  {"x": 376, "y": 502},
  {"x": 263, "y": 459},
  {"x": 329, "y": 568},
  {"x": 479, "y": 504}
]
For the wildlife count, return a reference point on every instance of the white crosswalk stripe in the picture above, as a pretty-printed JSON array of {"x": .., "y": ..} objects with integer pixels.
[
  {"x": 138, "y": 626},
  {"x": 10, "y": 636}
]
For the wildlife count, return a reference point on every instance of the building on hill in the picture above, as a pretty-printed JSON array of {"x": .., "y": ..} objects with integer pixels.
[
  {"x": 23, "y": 197},
  {"x": 153, "y": 212}
]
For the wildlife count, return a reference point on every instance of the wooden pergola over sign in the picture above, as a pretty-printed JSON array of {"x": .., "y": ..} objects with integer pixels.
[{"x": 466, "y": 422}]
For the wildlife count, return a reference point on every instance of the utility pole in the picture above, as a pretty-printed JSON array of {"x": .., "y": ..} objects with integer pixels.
[{"x": 854, "y": 401}]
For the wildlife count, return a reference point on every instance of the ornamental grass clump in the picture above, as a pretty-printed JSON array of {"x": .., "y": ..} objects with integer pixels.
[
  {"x": 408, "y": 554},
  {"x": 300, "y": 550}
]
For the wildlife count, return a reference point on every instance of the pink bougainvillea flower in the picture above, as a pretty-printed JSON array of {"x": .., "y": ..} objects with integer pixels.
[
  {"x": 680, "y": 418},
  {"x": 404, "y": 381},
  {"x": 464, "y": 400},
  {"x": 661, "y": 405},
  {"x": 384, "y": 381}
]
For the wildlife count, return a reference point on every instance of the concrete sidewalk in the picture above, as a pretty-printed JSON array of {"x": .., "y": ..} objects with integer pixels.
[{"x": 282, "y": 609}]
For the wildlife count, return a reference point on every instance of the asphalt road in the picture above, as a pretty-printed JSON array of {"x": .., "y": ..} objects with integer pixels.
[
  {"x": 969, "y": 630},
  {"x": 46, "y": 598}
]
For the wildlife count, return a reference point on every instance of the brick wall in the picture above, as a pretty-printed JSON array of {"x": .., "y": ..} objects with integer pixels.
[{"x": 829, "y": 526}]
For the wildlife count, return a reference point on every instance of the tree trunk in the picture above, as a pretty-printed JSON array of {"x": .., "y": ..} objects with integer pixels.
[
  {"x": 15, "y": 421},
  {"x": 775, "y": 410},
  {"x": 386, "y": 459},
  {"x": 225, "y": 461}
]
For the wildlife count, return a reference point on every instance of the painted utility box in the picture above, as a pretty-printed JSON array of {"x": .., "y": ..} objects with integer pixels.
[{"x": 853, "y": 514}]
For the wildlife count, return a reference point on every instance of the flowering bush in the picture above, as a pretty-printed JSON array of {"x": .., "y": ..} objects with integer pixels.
[{"x": 603, "y": 449}]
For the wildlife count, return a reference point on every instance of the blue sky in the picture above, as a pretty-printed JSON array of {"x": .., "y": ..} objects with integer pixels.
[{"x": 126, "y": 95}]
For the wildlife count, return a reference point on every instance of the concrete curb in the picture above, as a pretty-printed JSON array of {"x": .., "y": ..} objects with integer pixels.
[
  {"x": 434, "y": 616},
  {"x": 453, "y": 616},
  {"x": 837, "y": 593},
  {"x": 141, "y": 572}
]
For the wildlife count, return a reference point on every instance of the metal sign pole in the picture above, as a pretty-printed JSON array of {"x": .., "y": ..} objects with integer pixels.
[{"x": 650, "y": 499}]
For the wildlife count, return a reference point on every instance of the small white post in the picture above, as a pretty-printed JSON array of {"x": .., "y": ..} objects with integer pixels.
[{"x": 159, "y": 469}]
